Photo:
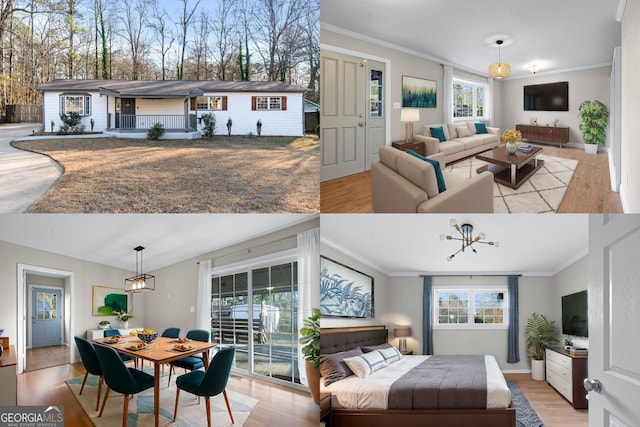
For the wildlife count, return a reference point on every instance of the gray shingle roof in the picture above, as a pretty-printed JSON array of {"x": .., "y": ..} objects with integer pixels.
[{"x": 133, "y": 88}]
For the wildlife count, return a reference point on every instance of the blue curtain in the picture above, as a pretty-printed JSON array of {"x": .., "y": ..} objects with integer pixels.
[
  {"x": 513, "y": 347},
  {"x": 427, "y": 316}
]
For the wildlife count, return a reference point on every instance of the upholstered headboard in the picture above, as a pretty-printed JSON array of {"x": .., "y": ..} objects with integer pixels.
[{"x": 334, "y": 340}]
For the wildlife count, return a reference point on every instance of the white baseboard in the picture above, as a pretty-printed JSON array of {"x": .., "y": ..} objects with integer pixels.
[
  {"x": 516, "y": 371},
  {"x": 623, "y": 200}
]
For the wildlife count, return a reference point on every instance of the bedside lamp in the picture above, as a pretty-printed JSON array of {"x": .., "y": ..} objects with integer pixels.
[
  {"x": 402, "y": 333},
  {"x": 408, "y": 116}
]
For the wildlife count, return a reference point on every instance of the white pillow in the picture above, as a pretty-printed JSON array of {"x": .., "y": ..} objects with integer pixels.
[
  {"x": 463, "y": 131},
  {"x": 365, "y": 364},
  {"x": 390, "y": 354}
]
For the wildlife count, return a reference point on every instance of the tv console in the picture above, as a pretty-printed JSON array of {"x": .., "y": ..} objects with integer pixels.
[
  {"x": 544, "y": 133},
  {"x": 566, "y": 373}
]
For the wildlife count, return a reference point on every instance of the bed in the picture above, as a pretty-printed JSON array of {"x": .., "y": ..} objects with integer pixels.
[{"x": 357, "y": 402}]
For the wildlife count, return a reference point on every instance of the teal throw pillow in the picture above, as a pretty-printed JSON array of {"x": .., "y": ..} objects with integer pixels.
[
  {"x": 436, "y": 167},
  {"x": 438, "y": 133},
  {"x": 481, "y": 128}
]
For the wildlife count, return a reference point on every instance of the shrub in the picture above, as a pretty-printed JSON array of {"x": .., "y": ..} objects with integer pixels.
[
  {"x": 71, "y": 124},
  {"x": 209, "y": 128},
  {"x": 155, "y": 132},
  {"x": 229, "y": 124}
]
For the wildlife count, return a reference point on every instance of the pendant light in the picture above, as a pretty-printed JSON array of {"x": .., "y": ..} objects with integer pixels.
[{"x": 499, "y": 70}]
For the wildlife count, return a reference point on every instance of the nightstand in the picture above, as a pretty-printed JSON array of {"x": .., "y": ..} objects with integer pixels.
[
  {"x": 408, "y": 353},
  {"x": 325, "y": 408},
  {"x": 417, "y": 146}
]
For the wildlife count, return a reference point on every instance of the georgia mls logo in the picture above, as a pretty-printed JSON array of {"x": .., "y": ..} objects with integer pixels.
[{"x": 31, "y": 416}]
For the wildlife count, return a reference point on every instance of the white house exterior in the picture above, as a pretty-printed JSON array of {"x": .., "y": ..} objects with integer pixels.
[{"x": 130, "y": 106}]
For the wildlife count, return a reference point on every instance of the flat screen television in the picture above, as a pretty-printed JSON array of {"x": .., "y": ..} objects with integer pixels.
[
  {"x": 547, "y": 97},
  {"x": 574, "y": 314}
]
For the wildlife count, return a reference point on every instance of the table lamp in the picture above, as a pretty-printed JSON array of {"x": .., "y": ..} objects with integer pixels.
[
  {"x": 402, "y": 333},
  {"x": 408, "y": 116}
]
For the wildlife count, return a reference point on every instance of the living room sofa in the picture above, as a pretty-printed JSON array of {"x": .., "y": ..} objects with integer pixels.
[
  {"x": 402, "y": 183},
  {"x": 462, "y": 140}
]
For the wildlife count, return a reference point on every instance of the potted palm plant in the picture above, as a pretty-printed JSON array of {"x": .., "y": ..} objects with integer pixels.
[
  {"x": 595, "y": 116},
  {"x": 539, "y": 336},
  {"x": 310, "y": 341}
]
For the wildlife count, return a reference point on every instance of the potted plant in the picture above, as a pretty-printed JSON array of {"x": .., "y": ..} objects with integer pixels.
[
  {"x": 104, "y": 324},
  {"x": 595, "y": 116},
  {"x": 123, "y": 317},
  {"x": 311, "y": 351},
  {"x": 540, "y": 336}
]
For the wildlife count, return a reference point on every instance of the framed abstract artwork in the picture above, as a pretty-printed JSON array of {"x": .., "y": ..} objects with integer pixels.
[
  {"x": 344, "y": 292},
  {"x": 419, "y": 93},
  {"x": 105, "y": 300}
]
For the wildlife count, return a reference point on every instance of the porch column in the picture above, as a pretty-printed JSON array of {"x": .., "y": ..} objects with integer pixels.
[{"x": 186, "y": 113}]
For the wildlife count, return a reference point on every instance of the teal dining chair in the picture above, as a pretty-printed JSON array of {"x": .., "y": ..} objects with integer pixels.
[
  {"x": 125, "y": 357},
  {"x": 208, "y": 383},
  {"x": 121, "y": 379},
  {"x": 171, "y": 333},
  {"x": 191, "y": 362},
  {"x": 91, "y": 364}
]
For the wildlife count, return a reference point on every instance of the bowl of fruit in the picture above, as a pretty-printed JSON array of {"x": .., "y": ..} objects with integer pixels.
[{"x": 147, "y": 336}]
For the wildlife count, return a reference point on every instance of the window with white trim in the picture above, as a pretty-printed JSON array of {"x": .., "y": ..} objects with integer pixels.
[
  {"x": 268, "y": 103},
  {"x": 463, "y": 308},
  {"x": 210, "y": 103},
  {"x": 469, "y": 100},
  {"x": 80, "y": 104}
]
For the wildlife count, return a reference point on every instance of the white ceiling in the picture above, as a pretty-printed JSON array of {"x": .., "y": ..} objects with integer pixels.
[
  {"x": 555, "y": 35},
  {"x": 110, "y": 239},
  {"x": 410, "y": 244}
]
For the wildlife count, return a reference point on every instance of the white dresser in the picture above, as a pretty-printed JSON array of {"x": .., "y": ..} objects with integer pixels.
[{"x": 566, "y": 374}]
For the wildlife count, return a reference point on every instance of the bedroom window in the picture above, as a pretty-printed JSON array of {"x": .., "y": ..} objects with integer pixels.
[
  {"x": 211, "y": 103},
  {"x": 80, "y": 104},
  {"x": 467, "y": 308},
  {"x": 468, "y": 100},
  {"x": 267, "y": 103}
]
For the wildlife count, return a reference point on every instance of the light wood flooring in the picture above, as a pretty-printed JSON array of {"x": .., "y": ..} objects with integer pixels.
[
  {"x": 588, "y": 192},
  {"x": 278, "y": 406},
  {"x": 552, "y": 408},
  {"x": 45, "y": 357}
]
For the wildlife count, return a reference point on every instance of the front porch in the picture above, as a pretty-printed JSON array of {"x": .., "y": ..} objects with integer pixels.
[{"x": 176, "y": 126}]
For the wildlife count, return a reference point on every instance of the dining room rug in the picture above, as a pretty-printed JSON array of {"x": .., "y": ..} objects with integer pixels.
[
  {"x": 541, "y": 193},
  {"x": 190, "y": 413},
  {"x": 526, "y": 416}
]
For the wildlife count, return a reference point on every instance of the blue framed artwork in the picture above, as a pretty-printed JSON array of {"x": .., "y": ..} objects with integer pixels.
[
  {"x": 418, "y": 93},
  {"x": 344, "y": 292}
]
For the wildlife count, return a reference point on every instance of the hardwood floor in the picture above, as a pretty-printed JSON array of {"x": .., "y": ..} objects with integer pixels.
[
  {"x": 552, "y": 408},
  {"x": 45, "y": 357},
  {"x": 588, "y": 192},
  {"x": 278, "y": 406}
]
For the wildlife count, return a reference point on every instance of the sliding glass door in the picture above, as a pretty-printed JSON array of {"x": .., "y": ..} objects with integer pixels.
[{"x": 256, "y": 310}]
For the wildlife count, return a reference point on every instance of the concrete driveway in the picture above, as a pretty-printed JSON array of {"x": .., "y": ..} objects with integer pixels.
[{"x": 24, "y": 176}]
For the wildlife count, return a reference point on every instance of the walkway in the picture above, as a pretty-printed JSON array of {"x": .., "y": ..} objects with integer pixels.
[{"x": 24, "y": 176}]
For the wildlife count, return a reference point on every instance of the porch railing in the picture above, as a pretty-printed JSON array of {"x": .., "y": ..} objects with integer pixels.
[{"x": 145, "y": 121}]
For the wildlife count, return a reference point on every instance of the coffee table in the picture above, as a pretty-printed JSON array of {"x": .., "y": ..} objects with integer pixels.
[{"x": 508, "y": 169}]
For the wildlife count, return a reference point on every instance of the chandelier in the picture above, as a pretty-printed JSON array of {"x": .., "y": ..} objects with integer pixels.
[
  {"x": 141, "y": 281},
  {"x": 466, "y": 237},
  {"x": 499, "y": 70}
]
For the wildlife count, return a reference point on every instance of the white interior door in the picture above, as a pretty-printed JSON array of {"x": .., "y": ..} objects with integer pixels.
[
  {"x": 342, "y": 115},
  {"x": 614, "y": 320}
]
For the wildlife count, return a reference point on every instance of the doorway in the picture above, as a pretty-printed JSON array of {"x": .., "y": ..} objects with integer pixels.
[
  {"x": 354, "y": 112},
  {"x": 45, "y": 298}
]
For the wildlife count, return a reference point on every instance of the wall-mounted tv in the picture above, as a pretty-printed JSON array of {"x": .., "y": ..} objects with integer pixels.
[
  {"x": 574, "y": 314},
  {"x": 547, "y": 97}
]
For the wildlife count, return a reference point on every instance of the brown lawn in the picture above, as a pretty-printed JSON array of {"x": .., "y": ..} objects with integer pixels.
[{"x": 224, "y": 174}]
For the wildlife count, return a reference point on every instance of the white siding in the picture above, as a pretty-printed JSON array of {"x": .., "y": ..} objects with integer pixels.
[
  {"x": 274, "y": 123},
  {"x": 160, "y": 106},
  {"x": 51, "y": 111}
]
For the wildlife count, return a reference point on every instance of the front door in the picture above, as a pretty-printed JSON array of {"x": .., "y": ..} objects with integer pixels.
[
  {"x": 46, "y": 317},
  {"x": 614, "y": 320},
  {"x": 128, "y": 113}
]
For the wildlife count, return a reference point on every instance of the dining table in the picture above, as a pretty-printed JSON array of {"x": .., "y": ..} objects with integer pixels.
[{"x": 159, "y": 352}]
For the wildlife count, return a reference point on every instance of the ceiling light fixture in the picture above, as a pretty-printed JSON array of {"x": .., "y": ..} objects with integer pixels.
[
  {"x": 141, "y": 281},
  {"x": 466, "y": 237},
  {"x": 499, "y": 70},
  {"x": 534, "y": 68}
]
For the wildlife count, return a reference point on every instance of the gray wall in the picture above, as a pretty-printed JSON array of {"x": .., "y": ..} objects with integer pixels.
[
  {"x": 380, "y": 294},
  {"x": 589, "y": 84}
]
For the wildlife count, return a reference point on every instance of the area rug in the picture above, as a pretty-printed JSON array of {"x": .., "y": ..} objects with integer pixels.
[
  {"x": 190, "y": 413},
  {"x": 525, "y": 415},
  {"x": 541, "y": 193}
]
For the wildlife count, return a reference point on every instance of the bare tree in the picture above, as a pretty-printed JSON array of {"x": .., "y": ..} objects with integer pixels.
[
  {"x": 159, "y": 23},
  {"x": 133, "y": 21},
  {"x": 225, "y": 33},
  {"x": 311, "y": 48},
  {"x": 185, "y": 19}
]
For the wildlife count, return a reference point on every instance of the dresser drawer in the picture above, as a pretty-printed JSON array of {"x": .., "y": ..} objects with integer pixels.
[
  {"x": 562, "y": 360},
  {"x": 559, "y": 370},
  {"x": 563, "y": 387}
]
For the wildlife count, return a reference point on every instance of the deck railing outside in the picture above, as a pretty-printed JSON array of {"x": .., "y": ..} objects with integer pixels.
[{"x": 145, "y": 121}]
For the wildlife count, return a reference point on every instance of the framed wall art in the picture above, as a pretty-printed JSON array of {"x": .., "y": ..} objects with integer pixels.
[
  {"x": 418, "y": 93},
  {"x": 344, "y": 291},
  {"x": 105, "y": 300}
]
